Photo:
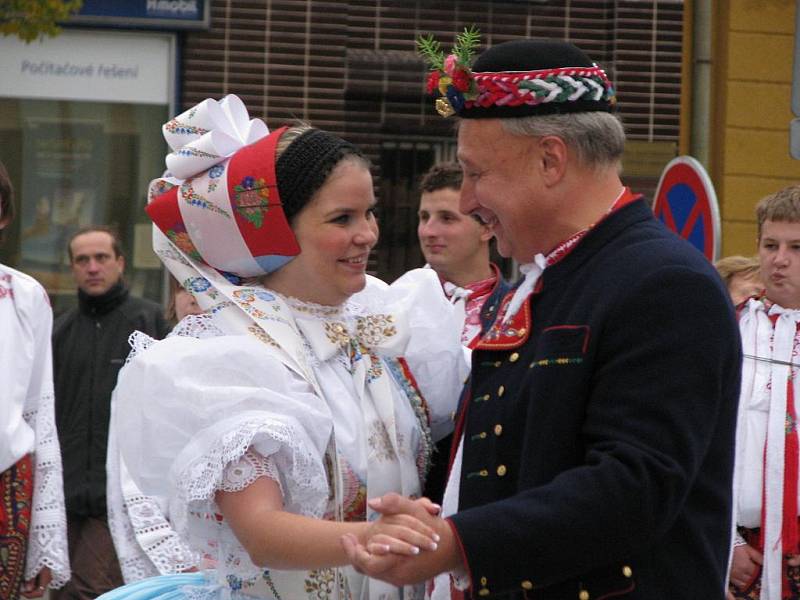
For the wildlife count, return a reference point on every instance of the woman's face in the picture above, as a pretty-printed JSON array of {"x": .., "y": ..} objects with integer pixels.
[
  {"x": 185, "y": 304},
  {"x": 336, "y": 231}
]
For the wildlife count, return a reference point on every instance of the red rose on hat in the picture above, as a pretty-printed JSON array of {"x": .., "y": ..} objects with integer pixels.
[
  {"x": 461, "y": 80},
  {"x": 433, "y": 82}
]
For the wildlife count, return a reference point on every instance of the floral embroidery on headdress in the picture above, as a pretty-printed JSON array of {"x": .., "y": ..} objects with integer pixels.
[
  {"x": 179, "y": 236},
  {"x": 252, "y": 200},
  {"x": 176, "y": 126},
  {"x": 214, "y": 174},
  {"x": 200, "y": 285},
  {"x": 190, "y": 196},
  {"x": 450, "y": 80}
]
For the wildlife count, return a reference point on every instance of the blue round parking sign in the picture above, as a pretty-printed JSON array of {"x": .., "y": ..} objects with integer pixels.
[{"x": 687, "y": 204}]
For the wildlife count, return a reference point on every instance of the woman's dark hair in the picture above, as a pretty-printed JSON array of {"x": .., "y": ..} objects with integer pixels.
[{"x": 306, "y": 157}]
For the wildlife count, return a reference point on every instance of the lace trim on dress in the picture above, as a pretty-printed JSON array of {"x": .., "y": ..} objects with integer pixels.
[
  {"x": 312, "y": 309},
  {"x": 139, "y": 342},
  {"x": 168, "y": 553},
  {"x": 302, "y": 478},
  {"x": 138, "y": 517},
  {"x": 250, "y": 466},
  {"x": 47, "y": 542},
  {"x": 196, "y": 326},
  {"x": 134, "y": 563}
]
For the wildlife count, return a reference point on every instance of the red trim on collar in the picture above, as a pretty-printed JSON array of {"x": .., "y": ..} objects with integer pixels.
[
  {"x": 513, "y": 334},
  {"x": 505, "y": 336},
  {"x": 561, "y": 250}
]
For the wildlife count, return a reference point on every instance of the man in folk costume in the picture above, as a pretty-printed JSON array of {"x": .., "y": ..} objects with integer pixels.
[
  {"x": 766, "y": 554},
  {"x": 594, "y": 454},
  {"x": 456, "y": 246}
]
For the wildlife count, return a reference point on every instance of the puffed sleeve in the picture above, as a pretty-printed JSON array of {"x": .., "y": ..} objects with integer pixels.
[
  {"x": 187, "y": 408},
  {"x": 434, "y": 353}
]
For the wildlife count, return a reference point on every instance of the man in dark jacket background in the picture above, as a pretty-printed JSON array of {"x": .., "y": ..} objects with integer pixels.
[{"x": 90, "y": 344}]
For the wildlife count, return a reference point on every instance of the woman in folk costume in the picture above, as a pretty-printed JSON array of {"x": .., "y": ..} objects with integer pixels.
[
  {"x": 766, "y": 553},
  {"x": 33, "y": 526},
  {"x": 263, "y": 426}
]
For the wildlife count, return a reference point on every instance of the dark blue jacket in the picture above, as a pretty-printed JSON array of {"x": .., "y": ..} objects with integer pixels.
[
  {"x": 599, "y": 430},
  {"x": 436, "y": 478}
]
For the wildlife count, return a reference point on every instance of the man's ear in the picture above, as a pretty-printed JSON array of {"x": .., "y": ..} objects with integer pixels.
[
  {"x": 552, "y": 159},
  {"x": 486, "y": 233}
]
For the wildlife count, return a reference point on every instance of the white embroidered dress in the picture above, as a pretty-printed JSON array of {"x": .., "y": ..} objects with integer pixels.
[
  {"x": 28, "y": 419},
  {"x": 313, "y": 397}
]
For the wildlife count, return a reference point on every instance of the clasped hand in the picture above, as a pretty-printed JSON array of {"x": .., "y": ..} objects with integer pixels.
[{"x": 403, "y": 545}]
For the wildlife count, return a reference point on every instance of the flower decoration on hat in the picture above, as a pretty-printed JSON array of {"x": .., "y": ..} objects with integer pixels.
[
  {"x": 450, "y": 79},
  {"x": 514, "y": 79}
]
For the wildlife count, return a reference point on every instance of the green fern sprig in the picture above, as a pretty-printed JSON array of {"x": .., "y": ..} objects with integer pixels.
[
  {"x": 467, "y": 43},
  {"x": 431, "y": 50}
]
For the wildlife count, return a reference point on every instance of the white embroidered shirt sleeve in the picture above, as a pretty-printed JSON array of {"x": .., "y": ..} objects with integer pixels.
[{"x": 47, "y": 542}]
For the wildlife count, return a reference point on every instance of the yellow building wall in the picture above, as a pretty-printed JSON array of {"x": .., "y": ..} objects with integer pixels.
[{"x": 751, "y": 111}]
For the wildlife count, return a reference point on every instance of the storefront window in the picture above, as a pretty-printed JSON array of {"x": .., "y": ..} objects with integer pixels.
[
  {"x": 75, "y": 164},
  {"x": 80, "y": 135}
]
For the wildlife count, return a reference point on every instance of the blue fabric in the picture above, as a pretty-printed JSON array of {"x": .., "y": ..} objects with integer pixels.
[{"x": 164, "y": 587}]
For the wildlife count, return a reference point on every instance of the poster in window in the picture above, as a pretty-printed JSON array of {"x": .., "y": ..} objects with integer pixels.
[{"x": 63, "y": 185}]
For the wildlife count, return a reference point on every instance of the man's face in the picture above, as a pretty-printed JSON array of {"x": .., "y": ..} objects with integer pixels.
[
  {"x": 503, "y": 186},
  {"x": 94, "y": 266},
  {"x": 450, "y": 240},
  {"x": 779, "y": 257}
]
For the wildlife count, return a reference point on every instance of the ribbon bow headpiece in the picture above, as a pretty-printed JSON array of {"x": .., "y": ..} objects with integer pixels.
[{"x": 219, "y": 201}]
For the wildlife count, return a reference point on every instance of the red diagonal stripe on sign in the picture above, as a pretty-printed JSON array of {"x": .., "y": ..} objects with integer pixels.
[
  {"x": 667, "y": 218},
  {"x": 691, "y": 220}
]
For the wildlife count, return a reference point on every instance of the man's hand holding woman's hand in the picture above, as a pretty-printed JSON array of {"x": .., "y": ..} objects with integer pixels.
[
  {"x": 390, "y": 559},
  {"x": 400, "y": 533}
]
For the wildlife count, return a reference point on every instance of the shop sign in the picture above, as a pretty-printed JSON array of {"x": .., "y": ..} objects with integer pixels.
[
  {"x": 160, "y": 14},
  {"x": 92, "y": 66}
]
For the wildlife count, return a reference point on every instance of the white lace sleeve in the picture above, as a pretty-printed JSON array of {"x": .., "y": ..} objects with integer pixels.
[
  {"x": 47, "y": 542},
  {"x": 242, "y": 472},
  {"x": 197, "y": 326},
  {"x": 145, "y": 541},
  {"x": 197, "y": 406},
  {"x": 133, "y": 562}
]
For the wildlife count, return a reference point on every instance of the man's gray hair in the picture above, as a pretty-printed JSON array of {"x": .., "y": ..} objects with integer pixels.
[{"x": 598, "y": 138}]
